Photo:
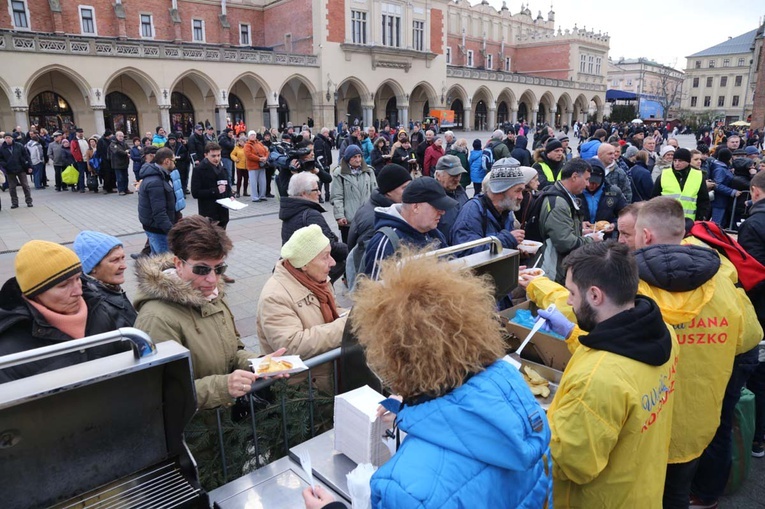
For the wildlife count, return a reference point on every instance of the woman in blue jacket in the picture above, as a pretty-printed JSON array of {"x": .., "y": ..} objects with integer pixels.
[
  {"x": 477, "y": 168},
  {"x": 476, "y": 436}
]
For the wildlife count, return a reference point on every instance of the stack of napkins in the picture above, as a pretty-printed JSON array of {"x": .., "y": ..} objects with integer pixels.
[{"x": 358, "y": 431}]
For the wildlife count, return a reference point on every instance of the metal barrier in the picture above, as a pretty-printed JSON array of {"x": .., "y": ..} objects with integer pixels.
[
  {"x": 733, "y": 209},
  {"x": 324, "y": 358}
]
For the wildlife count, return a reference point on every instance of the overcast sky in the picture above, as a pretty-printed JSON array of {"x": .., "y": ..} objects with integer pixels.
[{"x": 665, "y": 32}]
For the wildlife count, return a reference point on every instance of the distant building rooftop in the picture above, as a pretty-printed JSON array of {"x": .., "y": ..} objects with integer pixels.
[{"x": 741, "y": 44}]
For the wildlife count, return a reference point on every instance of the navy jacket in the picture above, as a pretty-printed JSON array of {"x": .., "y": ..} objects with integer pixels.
[
  {"x": 479, "y": 219},
  {"x": 156, "y": 199},
  {"x": 14, "y": 158},
  {"x": 450, "y": 217}
]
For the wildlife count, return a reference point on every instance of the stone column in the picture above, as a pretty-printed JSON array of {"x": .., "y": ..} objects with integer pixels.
[
  {"x": 569, "y": 118},
  {"x": 467, "y": 119},
  {"x": 491, "y": 121},
  {"x": 98, "y": 117},
  {"x": 22, "y": 117},
  {"x": 514, "y": 115},
  {"x": 164, "y": 117},
  {"x": 366, "y": 114},
  {"x": 274, "y": 116},
  {"x": 599, "y": 114},
  {"x": 551, "y": 120},
  {"x": 534, "y": 113},
  {"x": 221, "y": 116},
  {"x": 403, "y": 116}
]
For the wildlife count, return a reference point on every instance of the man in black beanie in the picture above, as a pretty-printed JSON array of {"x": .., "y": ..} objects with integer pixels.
[{"x": 685, "y": 184}]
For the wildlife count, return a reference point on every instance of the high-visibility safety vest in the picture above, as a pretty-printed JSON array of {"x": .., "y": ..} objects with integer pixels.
[
  {"x": 687, "y": 196},
  {"x": 548, "y": 172}
]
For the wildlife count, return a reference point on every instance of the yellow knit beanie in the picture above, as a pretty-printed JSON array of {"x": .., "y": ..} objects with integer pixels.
[
  {"x": 304, "y": 245},
  {"x": 41, "y": 265}
]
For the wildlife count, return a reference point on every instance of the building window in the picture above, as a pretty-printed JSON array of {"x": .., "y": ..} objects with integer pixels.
[
  {"x": 590, "y": 64},
  {"x": 726, "y": 62},
  {"x": 698, "y": 64},
  {"x": 737, "y": 82},
  {"x": 198, "y": 30},
  {"x": 723, "y": 81},
  {"x": 693, "y": 101},
  {"x": 629, "y": 83},
  {"x": 470, "y": 58},
  {"x": 244, "y": 34},
  {"x": 709, "y": 82},
  {"x": 490, "y": 61},
  {"x": 695, "y": 83},
  {"x": 20, "y": 14},
  {"x": 448, "y": 55},
  {"x": 735, "y": 101},
  {"x": 418, "y": 35},
  {"x": 507, "y": 64},
  {"x": 597, "y": 65},
  {"x": 582, "y": 63},
  {"x": 147, "y": 26},
  {"x": 707, "y": 101},
  {"x": 711, "y": 64},
  {"x": 721, "y": 100},
  {"x": 391, "y": 25},
  {"x": 87, "y": 20},
  {"x": 615, "y": 82},
  {"x": 741, "y": 62},
  {"x": 359, "y": 27}
]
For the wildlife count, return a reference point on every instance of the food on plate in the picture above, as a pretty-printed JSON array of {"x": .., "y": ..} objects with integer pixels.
[
  {"x": 528, "y": 243},
  {"x": 532, "y": 272},
  {"x": 602, "y": 226},
  {"x": 271, "y": 365},
  {"x": 538, "y": 384}
]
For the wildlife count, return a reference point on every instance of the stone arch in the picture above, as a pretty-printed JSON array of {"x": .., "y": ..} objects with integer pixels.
[
  {"x": 565, "y": 107},
  {"x": 526, "y": 104},
  {"x": 456, "y": 92},
  {"x": 546, "y": 104},
  {"x": 482, "y": 101},
  {"x": 581, "y": 104},
  {"x": 6, "y": 115},
  {"x": 74, "y": 77},
  {"x": 422, "y": 98},
  {"x": 598, "y": 107},
  {"x": 143, "y": 80},
  {"x": 202, "y": 95},
  {"x": 252, "y": 90},
  {"x": 506, "y": 103},
  {"x": 388, "y": 99},
  {"x": 298, "y": 93},
  {"x": 69, "y": 85},
  {"x": 142, "y": 91},
  {"x": 350, "y": 96},
  {"x": 206, "y": 85}
]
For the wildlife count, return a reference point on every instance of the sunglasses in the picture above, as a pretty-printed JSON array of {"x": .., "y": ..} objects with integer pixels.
[{"x": 203, "y": 270}]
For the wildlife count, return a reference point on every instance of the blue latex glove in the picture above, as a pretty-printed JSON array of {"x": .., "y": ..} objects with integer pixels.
[{"x": 556, "y": 322}]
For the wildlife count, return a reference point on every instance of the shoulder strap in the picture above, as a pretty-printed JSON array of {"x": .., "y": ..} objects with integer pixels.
[{"x": 389, "y": 232}]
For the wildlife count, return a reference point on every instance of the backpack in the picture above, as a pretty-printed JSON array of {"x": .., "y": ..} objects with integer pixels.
[
  {"x": 357, "y": 258},
  {"x": 532, "y": 228},
  {"x": 751, "y": 273},
  {"x": 278, "y": 157},
  {"x": 95, "y": 161},
  {"x": 487, "y": 159}
]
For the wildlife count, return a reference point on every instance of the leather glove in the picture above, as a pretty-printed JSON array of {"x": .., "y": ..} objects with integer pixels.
[{"x": 556, "y": 322}]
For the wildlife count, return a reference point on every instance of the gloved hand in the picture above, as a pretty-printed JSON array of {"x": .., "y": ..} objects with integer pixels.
[{"x": 556, "y": 322}]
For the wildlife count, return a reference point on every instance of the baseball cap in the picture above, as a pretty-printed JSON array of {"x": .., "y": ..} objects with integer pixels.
[
  {"x": 199, "y": 127},
  {"x": 597, "y": 170},
  {"x": 451, "y": 165},
  {"x": 428, "y": 190}
]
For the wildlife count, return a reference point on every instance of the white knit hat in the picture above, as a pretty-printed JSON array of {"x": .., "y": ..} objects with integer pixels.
[{"x": 304, "y": 245}]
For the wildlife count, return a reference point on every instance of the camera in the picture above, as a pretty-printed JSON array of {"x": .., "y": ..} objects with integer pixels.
[{"x": 298, "y": 155}]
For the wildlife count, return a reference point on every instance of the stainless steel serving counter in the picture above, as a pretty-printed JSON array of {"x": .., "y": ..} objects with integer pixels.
[
  {"x": 276, "y": 485},
  {"x": 328, "y": 465}
]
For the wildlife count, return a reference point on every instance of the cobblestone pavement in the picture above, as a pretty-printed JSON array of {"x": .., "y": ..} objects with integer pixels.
[{"x": 255, "y": 231}]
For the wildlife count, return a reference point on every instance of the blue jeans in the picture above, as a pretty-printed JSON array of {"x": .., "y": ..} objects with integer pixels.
[
  {"x": 37, "y": 173},
  {"x": 82, "y": 167},
  {"x": 157, "y": 242},
  {"x": 718, "y": 216},
  {"x": 715, "y": 463},
  {"x": 122, "y": 179},
  {"x": 258, "y": 184},
  {"x": 228, "y": 164}
]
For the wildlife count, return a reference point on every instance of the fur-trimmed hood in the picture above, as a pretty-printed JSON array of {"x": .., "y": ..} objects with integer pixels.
[{"x": 154, "y": 283}]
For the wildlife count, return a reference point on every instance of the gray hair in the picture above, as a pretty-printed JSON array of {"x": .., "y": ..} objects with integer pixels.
[
  {"x": 301, "y": 183},
  {"x": 449, "y": 133},
  {"x": 325, "y": 131},
  {"x": 497, "y": 135}
]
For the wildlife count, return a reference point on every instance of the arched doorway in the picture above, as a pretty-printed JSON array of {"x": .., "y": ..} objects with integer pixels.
[
  {"x": 541, "y": 114},
  {"x": 391, "y": 111},
  {"x": 121, "y": 114},
  {"x": 235, "y": 109},
  {"x": 296, "y": 101},
  {"x": 426, "y": 109},
  {"x": 282, "y": 111},
  {"x": 481, "y": 115},
  {"x": 181, "y": 114},
  {"x": 50, "y": 111},
  {"x": 523, "y": 112},
  {"x": 459, "y": 112},
  {"x": 502, "y": 113}
]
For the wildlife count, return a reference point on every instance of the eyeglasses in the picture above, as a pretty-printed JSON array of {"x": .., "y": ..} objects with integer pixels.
[{"x": 203, "y": 270}]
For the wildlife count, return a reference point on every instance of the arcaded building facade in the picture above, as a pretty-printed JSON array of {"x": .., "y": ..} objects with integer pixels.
[{"x": 135, "y": 65}]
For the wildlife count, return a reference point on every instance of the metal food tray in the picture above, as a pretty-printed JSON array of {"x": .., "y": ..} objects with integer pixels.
[{"x": 552, "y": 375}]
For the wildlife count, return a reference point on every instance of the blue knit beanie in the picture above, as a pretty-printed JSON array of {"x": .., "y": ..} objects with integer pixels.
[
  {"x": 350, "y": 151},
  {"x": 91, "y": 247}
]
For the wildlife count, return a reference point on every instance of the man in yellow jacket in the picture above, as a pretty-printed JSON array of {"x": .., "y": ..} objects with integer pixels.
[
  {"x": 611, "y": 416},
  {"x": 713, "y": 322}
]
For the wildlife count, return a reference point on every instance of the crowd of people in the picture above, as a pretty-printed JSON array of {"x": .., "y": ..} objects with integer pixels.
[{"x": 662, "y": 336}]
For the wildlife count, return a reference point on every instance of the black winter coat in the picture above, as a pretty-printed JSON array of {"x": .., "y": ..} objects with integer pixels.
[
  {"x": 182, "y": 153},
  {"x": 156, "y": 199},
  {"x": 196, "y": 146},
  {"x": 14, "y": 158},
  {"x": 119, "y": 155},
  {"x": 23, "y": 328},
  {"x": 226, "y": 145},
  {"x": 204, "y": 187},
  {"x": 102, "y": 147},
  {"x": 363, "y": 224},
  {"x": 322, "y": 150},
  {"x": 106, "y": 305},
  {"x": 751, "y": 236},
  {"x": 296, "y": 213}
]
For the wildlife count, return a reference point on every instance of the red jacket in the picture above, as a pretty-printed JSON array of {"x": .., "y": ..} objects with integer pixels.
[
  {"x": 432, "y": 154},
  {"x": 74, "y": 147}
]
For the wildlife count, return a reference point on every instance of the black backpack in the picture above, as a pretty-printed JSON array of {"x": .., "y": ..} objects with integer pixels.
[{"x": 532, "y": 228}]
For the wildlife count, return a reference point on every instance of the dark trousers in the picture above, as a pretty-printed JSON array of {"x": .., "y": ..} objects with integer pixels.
[
  {"x": 677, "y": 484},
  {"x": 344, "y": 230},
  {"x": 122, "y": 179},
  {"x": 38, "y": 173},
  {"x": 19, "y": 179},
  {"x": 270, "y": 178},
  {"x": 715, "y": 463},
  {"x": 59, "y": 183},
  {"x": 184, "y": 171},
  {"x": 756, "y": 384},
  {"x": 477, "y": 188},
  {"x": 109, "y": 181},
  {"x": 82, "y": 167}
]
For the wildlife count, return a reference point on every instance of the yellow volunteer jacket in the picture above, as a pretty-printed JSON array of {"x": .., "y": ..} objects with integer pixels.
[{"x": 611, "y": 420}]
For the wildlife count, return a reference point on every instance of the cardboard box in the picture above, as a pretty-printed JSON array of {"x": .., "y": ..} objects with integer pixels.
[{"x": 542, "y": 348}]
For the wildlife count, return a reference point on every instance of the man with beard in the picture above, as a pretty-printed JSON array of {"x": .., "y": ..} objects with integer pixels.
[
  {"x": 491, "y": 213},
  {"x": 619, "y": 387},
  {"x": 551, "y": 162},
  {"x": 560, "y": 218}
]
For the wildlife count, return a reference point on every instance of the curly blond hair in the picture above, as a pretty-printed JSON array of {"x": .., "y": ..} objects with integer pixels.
[{"x": 426, "y": 325}]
